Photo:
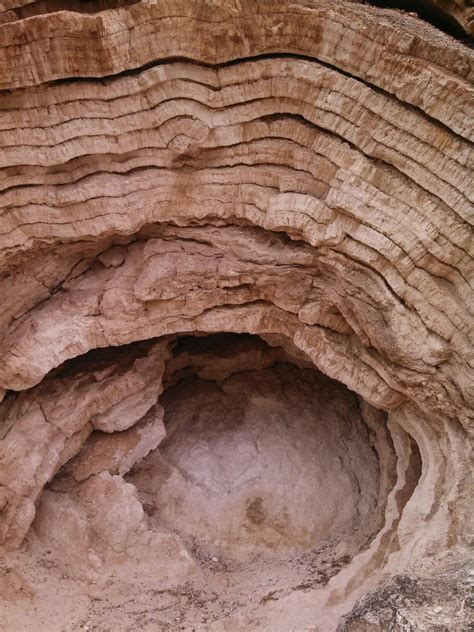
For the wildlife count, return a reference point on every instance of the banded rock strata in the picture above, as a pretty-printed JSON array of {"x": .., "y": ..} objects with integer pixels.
[{"x": 182, "y": 171}]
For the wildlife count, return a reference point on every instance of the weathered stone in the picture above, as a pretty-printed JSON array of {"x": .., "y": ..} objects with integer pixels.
[{"x": 176, "y": 179}]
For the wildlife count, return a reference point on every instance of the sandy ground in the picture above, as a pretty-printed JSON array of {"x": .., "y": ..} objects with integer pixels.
[{"x": 40, "y": 595}]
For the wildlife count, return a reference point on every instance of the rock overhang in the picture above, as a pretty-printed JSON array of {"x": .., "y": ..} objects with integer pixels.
[{"x": 307, "y": 180}]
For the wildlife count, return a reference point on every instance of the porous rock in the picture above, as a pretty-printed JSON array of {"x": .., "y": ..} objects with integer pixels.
[{"x": 224, "y": 200}]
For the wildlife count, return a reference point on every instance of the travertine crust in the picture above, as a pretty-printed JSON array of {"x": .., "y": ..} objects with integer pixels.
[{"x": 298, "y": 171}]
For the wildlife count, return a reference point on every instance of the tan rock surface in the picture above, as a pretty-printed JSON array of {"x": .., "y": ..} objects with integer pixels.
[
  {"x": 235, "y": 486},
  {"x": 42, "y": 430},
  {"x": 204, "y": 205}
]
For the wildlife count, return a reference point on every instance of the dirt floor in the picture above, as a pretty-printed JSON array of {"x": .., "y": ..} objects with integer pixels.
[{"x": 40, "y": 595}]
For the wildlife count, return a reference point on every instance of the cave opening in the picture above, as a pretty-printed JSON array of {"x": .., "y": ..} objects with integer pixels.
[
  {"x": 251, "y": 458},
  {"x": 235, "y": 333},
  {"x": 261, "y": 456}
]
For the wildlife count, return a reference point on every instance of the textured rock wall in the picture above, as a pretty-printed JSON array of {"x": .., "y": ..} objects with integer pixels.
[{"x": 299, "y": 170}]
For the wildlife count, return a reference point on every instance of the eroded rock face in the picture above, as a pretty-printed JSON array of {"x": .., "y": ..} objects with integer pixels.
[
  {"x": 265, "y": 461},
  {"x": 235, "y": 264},
  {"x": 45, "y": 428}
]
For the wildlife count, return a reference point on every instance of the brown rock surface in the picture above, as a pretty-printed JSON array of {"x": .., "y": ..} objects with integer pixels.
[
  {"x": 235, "y": 486},
  {"x": 206, "y": 205}
]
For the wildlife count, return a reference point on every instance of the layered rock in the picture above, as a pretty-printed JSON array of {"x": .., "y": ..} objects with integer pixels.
[
  {"x": 44, "y": 428},
  {"x": 300, "y": 172}
]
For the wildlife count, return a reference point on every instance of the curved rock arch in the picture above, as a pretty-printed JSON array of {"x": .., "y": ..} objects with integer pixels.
[{"x": 301, "y": 174}]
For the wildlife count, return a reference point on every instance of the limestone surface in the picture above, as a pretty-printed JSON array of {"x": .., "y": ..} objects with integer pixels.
[{"x": 236, "y": 330}]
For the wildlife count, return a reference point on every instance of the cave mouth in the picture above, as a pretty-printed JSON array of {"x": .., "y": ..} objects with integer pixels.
[
  {"x": 207, "y": 473},
  {"x": 248, "y": 453},
  {"x": 261, "y": 457}
]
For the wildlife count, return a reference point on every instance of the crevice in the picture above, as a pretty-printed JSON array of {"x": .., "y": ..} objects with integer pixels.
[
  {"x": 91, "y": 7},
  {"x": 431, "y": 13},
  {"x": 242, "y": 60}
]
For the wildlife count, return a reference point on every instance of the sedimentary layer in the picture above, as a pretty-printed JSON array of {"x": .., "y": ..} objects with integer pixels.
[{"x": 300, "y": 172}]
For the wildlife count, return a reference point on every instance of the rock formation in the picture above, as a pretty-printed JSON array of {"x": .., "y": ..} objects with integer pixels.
[{"x": 236, "y": 317}]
